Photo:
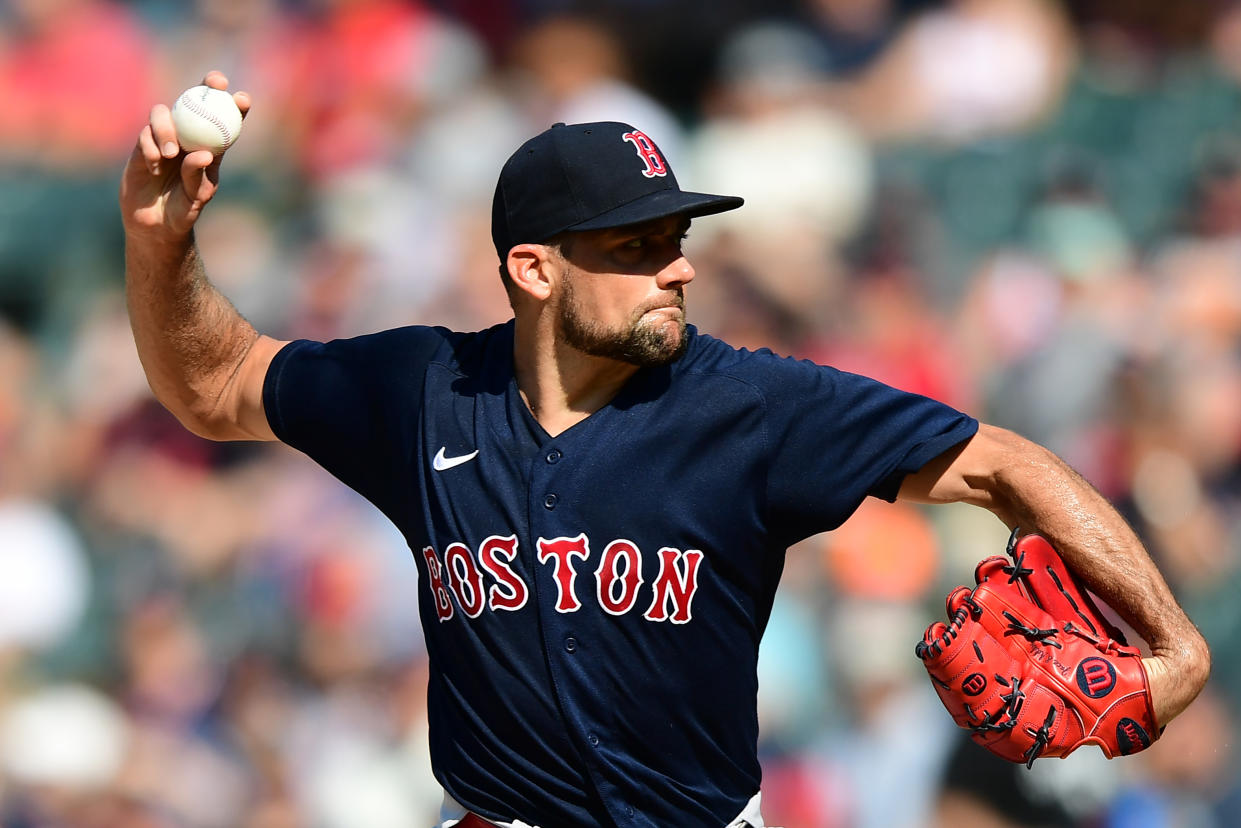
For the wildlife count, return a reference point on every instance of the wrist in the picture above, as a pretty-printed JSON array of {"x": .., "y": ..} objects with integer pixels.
[
  {"x": 157, "y": 243},
  {"x": 1175, "y": 676}
]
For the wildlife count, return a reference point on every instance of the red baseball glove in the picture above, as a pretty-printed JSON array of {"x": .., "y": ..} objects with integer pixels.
[{"x": 1029, "y": 664}]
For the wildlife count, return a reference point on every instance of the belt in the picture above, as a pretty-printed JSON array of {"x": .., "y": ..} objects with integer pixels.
[{"x": 475, "y": 821}]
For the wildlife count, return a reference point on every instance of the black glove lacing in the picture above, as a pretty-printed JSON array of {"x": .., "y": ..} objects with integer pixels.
[
  {"x": 1018, "y": 569},
  {"x": 1045, "y": 637},
  {"x": 1005, "y": 718},
  {"x": 1042, "y": 737}
]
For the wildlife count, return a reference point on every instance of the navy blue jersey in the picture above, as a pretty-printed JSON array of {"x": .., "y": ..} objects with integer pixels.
[{"x": 592, "y": 602}]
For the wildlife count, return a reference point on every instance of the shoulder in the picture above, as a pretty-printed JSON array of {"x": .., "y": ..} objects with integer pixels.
[
  {"x": 314, "y": 388},
  {"x": 764, "y": 370},
  {"x": 400, "y": 349},
  {"x": 793, "y": 384}
]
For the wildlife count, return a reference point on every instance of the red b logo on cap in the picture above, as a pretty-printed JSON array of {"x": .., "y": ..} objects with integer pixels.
[{"x": 655, "y": 166}]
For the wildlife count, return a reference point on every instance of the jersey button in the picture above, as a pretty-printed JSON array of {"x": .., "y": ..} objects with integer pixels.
[
  {"x": 593, "y": 739},
  {"x": 570, "y": 644},
  {"x": 549, "y": 502},
  {"x": 554, "y": 456}
]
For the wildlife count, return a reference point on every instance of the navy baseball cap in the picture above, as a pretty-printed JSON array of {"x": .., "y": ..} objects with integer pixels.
[{"x": 589, "y": 177}]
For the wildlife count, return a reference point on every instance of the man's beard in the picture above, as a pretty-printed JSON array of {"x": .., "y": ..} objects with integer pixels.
[{"x": 640, "y": 342}]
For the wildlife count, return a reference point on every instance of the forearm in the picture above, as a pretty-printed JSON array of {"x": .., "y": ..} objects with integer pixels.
[
  {"x": 1039, "y": 492},
  {"x": 190, "y": 338}
]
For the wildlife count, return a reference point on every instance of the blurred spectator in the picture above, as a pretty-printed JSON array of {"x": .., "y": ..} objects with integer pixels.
[
  {"x": 890, "y": 767},
  {"x": 972, "y": 69},
  {"x": 77, "y": 79},
  {"x": 887, "y": 552},
  {"x": 64, "y": 746},
  {"x": 364, "y": 756},
  {"x": 805, "y": 172},
  {"x": 1186, "y": 778},
  {"x": 171, "y": 684},
  {"x": 980, "y": 790},
  {"x": 1223, "y": 39},
  {"x": 1215, "y": 194},
  {"x": 856, "y": 32},
  {"x": 43, "y": 578},
  {"x": 888, "y": 329},
  {"x": 571, "y": 69},
  {"x": 258, "y": 43},
  {"x": 1051, "y": 322},
  {"x": 29, "y": 422},
  {"x": 1164, "y": 28},
  {"x": 356, "y": 82}
]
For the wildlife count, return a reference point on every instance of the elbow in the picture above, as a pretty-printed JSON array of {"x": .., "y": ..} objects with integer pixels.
[
  {"x": 196, "y": 421},
  {"x": 204, "y": 428},
  {"x": 991, "y": 469},
  {"x": 198, "y": 415},
  {"x": 224, "y": 402},
  {"x": 213, "y": 421},
  {"x": 1197, "y": 661}
]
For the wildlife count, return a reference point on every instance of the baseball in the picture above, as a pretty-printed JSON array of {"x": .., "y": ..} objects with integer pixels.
[{"x": 206, "y": 119}]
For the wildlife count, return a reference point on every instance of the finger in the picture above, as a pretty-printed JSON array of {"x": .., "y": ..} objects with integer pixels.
[
  {"x": 163, "y": 131},
  {"x": 148, "y": 149},
  {"x": 216, "y": 79},
  {"x": 198, "y": 188}
]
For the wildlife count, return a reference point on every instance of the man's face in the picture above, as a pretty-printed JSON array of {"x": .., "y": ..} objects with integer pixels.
[{"x": 622, "y": 293}]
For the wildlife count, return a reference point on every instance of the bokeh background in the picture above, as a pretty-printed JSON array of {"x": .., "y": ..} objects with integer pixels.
[{"x": 1029, "y": 209}]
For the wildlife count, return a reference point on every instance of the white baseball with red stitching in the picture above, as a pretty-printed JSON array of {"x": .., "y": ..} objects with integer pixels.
[{"x": 206, "y": 119}]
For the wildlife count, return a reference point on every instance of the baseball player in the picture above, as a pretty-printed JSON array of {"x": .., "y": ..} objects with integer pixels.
[{"x": 597, "y": 496}]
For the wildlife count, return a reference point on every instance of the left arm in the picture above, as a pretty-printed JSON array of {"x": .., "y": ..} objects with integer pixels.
[{"x": 1026, "y": 485}]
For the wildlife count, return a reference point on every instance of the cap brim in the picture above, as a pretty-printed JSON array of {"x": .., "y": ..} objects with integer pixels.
[{"x": 659, "y": 205}]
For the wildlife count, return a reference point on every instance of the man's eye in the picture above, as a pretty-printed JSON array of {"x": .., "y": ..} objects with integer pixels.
[{"x": 635, "y": 244}]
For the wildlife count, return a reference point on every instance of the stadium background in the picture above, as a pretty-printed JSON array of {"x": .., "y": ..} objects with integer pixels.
[{"x": 1029, "y": 209}]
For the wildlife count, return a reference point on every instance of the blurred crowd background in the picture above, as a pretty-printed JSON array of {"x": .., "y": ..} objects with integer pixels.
[{"x": 1029, "y": 209}]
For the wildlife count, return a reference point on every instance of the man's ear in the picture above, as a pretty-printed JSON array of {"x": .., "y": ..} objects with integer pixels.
[{"x": 532, "y": 269}]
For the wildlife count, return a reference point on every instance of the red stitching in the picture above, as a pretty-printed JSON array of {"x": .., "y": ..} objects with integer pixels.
[{"x": 202, "y": 112}]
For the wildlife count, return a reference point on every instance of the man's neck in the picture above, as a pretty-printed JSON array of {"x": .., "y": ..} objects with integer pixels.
[{"x": 561, "y": 385}]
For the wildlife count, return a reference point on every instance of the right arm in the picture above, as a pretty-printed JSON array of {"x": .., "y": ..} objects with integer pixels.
[{"x": 205, "y": 363}]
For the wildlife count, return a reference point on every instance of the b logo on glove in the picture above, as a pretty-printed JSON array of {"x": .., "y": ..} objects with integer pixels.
[{"x": 1096, "y": 677}]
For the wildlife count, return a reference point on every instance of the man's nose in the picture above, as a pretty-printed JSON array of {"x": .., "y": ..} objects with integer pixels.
[{"x": 678, "y": 272}]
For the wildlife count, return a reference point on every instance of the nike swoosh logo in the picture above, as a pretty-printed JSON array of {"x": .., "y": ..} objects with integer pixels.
[{"x": 443, "y": 462}]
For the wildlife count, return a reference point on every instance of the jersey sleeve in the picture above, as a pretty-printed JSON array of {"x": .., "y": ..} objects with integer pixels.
[
  {"x": 350, "y": 404},
  {"x": 836, "y": 438}
]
